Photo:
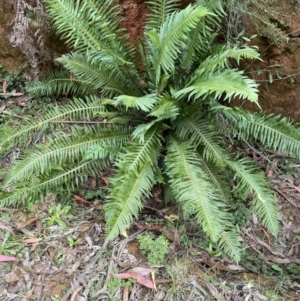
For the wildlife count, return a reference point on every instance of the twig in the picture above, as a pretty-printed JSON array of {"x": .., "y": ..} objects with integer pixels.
[
  {"x": 78, "y": 289},
  {"x": 11, "y": 94}
]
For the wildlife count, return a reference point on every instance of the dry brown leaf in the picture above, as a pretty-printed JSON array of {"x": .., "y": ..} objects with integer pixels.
[
  {"x": 139, "y": 278},
  {"x": 32, "y": 220},
  {"x": 31, "y": 240}
]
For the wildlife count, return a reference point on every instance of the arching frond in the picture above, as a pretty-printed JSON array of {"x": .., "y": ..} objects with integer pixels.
[
  {"x": 102, "y": 76},
  {"x": 126, "y": 197},
  {"x": 272, "y": 131},
  {"x": 77, "y": 110},
  {"x": 249, "y": 180},
  {"x": 144, "y": 103},
  {"x": 191, "y": 189},
  {"x": 60, "y": 179},
  {"x": 61, "y": 82},
  {"x": 215, "y": 6},
  {"x": 199, "y": 130},
  {"x": 217, "y": 181},
  {"x": 228, "y": 242},
  {"x": 67, "y": 149},
  {"x": 160, "y": 10},
  {"x": 166, "y": 42},
  {"x": 219, "y": 60},
  {"x": 137, "y": 153},
  {"x": 226, "y": 83},
  {"x": 166, "y": 108},
  {"x": 89, "y": 25}
]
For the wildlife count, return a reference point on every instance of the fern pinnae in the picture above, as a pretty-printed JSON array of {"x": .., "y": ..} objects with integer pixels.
[
  {"x": 272, "y": 131},
  {"x": 219, "y": 184},
  {"x": 160, "y": 10},
  {"x": 99, "y": 74},
  {"x": 263, "y": 200},
  {"x": 136, "y": 153},
  {"x": 172, "y": 34},
  {"x": 66, "y": 149},
  {"x": 55, "y": 183},
  {"x": 77, "y": 110},
  {"x": 198, "y": 130},
  {"x": 228, "y": 241},
  {"x": 191, "y": 189},
  {"x": 61, "y": 82},
  {"x": 125, "y": 199}
]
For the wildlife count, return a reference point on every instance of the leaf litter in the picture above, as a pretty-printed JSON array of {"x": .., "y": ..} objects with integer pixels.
[{"x": 40, "y": 261}]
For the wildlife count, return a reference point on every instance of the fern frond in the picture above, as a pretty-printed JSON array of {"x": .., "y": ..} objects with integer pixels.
[
  {"x": 100, "y": 75},
  {"x": 228, "y": 241},
  {"x": 198, "y": 129},
  {"x": 166, "y": 108},
  {"x": 144, "y": 103},
  {"x": 271, "y": 131},
  {"x": 136, "y": 153},
  {"x": 249, "y": 180},
  {"x": 86, "y": 29},
  {"x": 77, "y": 110},
  {"x": 159, "y": 11},
  {"x": 215, "y": 6},
  {"x": 219, "y": 184},
  {"x": 191, "y": 189},
  {"x": 226, "y": 83},
  {"x": 53, "y": 182},
  {"x": 171, "y": 37},
  {"x": 67, "y": 149},
  {"x": 219, "y": 60},
  {"x": 126, "y": 197},
  {"x": 61, "y": 82}
]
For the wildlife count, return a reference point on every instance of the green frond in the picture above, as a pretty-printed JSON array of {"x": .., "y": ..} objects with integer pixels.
[
  {"x": 159, "y": 11},
  {"x": 272, "y": 131},
  {"x": 191, "y": 189},
  {"x": 228, "y": 241},
  {"x": 61, "y": 82},
  {"x": 166, "y": 108},
  {"x": 218, "y": 182},
  {"x": 137, "y": 153},
  {"x": 251, "y": 181},
  {"x": 198, "y": 44},
  {"x": 226, "y": 83},
  {"x": 106, "y": 77},
  {"x": 59, "y": 179},
  {"x": 144, "y": 103},
  {"x": 77, "y": 110},
  {"x": 199, "y": 131},
  {"x": 127, "y": 191},
  {"x": 64, "y": 149},
  {"x": 166, "y": 43},
  {"x": 215, "y": 6},
  {"x": 219, "y": 60},
  {"x": 89, "y": 25}
]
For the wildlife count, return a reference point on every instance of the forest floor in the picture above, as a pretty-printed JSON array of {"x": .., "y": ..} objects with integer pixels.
[{"x": 54, "y": 250}]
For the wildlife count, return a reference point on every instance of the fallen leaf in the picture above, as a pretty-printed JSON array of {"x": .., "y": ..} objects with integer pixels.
[
  {"x": 31, "y": 240},
  {"x": 4, "y": 86},
  {"x": 2, "y": 109},
  {"x": 81, "y": 200},
  {"x": 142, "y": 271},
  {"x": 28, "y": 223},
  {"x": 139, "y": 278},
  {"x": 104, "y": 179},
  {"x": 8, "y": 258}
]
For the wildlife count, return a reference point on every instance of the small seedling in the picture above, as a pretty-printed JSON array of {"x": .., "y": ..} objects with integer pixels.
[
  {"x": 155, "y": 249},
  {"x": 57, "y": 212}
]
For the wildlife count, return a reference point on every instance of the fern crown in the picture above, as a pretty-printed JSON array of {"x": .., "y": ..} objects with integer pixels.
[{"x": 162, "y": 120}]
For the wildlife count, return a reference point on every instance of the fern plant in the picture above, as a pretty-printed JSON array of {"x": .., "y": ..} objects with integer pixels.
[{"x": 155, "y": 112}]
